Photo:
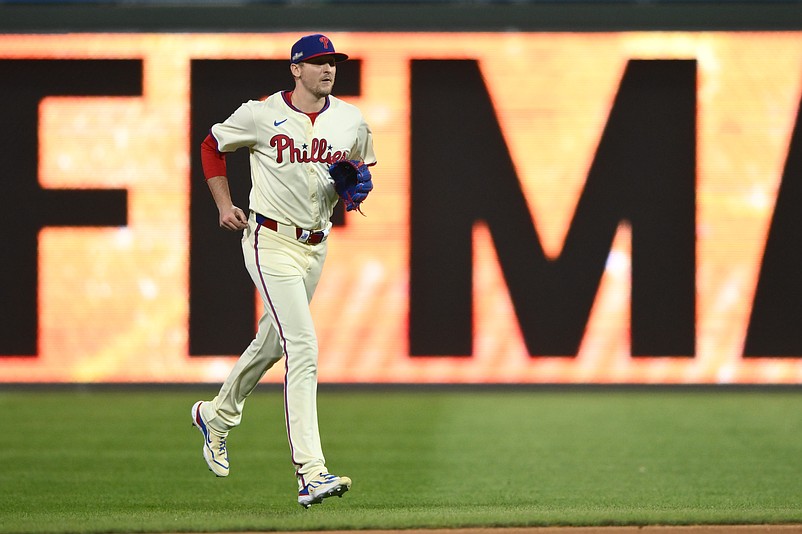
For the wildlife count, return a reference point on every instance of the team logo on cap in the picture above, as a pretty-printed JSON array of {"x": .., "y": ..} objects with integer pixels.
[{"x": 312, "y": 46}]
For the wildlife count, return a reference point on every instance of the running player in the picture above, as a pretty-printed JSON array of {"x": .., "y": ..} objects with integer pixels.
[{"x": 293, "y": 137}]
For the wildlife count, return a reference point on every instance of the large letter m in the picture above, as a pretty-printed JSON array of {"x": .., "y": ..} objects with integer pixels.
[{"x": 643, "y": 173}]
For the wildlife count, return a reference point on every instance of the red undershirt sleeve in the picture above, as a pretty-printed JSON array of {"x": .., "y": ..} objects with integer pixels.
[{"x": 212, "y": 160}]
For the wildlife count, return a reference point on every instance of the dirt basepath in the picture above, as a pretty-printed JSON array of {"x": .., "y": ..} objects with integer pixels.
[{"x": 698, "y": 529}]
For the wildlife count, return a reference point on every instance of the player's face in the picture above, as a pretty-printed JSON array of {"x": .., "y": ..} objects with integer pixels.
[{"x": 317, "y": 75}]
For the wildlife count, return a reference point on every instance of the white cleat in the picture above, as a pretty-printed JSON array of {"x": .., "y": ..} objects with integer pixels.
[
  {"x": 214, "y": 446},
  {"x": 322, "y": 487}
]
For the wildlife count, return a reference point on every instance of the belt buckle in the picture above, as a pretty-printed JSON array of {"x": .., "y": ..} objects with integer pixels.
[
  {"x": 306, "y": 236},
  {"x": 324, "y": 234}
]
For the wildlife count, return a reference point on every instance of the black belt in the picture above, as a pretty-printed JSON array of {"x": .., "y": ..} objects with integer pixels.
[{"x": 304, "y": 236}]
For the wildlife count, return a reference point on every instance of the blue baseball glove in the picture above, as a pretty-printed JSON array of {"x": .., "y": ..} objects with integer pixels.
[{"x": 352, "y": 182}]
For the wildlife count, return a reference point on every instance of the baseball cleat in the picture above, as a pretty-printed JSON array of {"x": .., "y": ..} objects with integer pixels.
[
  {"x": 214, "y": 446},
  {"x": 322, "y": 487}
]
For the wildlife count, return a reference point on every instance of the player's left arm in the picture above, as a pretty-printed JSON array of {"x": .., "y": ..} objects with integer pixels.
[
  {"x": 352, "y": 177},
  {"x": 363, "y": 146}
]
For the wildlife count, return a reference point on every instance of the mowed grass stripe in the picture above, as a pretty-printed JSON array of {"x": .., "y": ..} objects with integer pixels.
[{"x": 129, "y": 461}]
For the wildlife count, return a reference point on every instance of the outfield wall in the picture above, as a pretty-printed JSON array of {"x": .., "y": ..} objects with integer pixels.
[{"x": 595, "y": 204}]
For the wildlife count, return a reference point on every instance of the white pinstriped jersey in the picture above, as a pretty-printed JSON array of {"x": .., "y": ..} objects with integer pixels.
[{"x": 290, "y": 156}]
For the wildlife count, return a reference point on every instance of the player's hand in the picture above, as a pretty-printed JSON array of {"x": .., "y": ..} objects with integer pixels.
[{"x": 233, "y": 219}]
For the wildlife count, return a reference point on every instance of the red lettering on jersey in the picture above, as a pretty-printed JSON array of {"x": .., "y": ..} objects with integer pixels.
[
  {"x": 281, "y": 143},
  {"x": 318, "y": 151}
]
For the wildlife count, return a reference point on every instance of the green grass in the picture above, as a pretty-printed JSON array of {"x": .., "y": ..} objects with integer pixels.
[{"x": 129, "y": 461}]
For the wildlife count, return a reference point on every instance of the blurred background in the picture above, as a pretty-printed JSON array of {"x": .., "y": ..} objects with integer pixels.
[{"x": 588, "y": 192}]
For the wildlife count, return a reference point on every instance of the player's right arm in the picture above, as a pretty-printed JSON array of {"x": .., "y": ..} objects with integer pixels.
[
  {"x": 237, "y": 131},
  {"x": 214, "y": 169},
  {"x": 231, "y": 217}
]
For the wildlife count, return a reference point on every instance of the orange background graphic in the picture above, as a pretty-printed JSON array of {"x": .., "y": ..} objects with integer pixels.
[{"x": 113, "y": 302}]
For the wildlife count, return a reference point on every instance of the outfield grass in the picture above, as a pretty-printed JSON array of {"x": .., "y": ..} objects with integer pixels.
[{"x": 129, "y": 461}]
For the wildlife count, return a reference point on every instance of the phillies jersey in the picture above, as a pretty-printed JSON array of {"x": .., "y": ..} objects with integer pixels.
[{"x": 290, "y": 153}]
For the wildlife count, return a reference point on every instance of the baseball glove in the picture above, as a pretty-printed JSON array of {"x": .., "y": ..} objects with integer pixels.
[{"x": 352, "y": 182}]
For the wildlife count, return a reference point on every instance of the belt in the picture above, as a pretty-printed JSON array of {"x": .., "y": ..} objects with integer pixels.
[{"x": 304, "y": 236}]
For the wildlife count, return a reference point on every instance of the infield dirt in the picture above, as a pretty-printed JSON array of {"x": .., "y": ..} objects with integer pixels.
[{"x": 691, "y": 529}]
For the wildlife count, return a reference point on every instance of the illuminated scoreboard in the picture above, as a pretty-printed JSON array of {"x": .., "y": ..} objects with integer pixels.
[{"x": 548, "y": 208}]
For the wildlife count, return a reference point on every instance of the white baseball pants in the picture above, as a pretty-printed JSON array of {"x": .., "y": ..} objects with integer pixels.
[{"x": 286, "y": 273}]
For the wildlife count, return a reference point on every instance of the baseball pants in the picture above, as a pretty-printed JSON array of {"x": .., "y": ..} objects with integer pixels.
[{"x": 285, "y": 272}]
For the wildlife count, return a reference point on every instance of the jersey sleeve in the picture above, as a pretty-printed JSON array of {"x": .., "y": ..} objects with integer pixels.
[
  {"x": 237, "y": 131},
  {"x": 212, "y": 160},
  {"x": 363, "y": 147}
]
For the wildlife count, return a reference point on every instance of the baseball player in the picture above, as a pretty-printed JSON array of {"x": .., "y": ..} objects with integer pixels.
[{"x": 296, "y": 139}]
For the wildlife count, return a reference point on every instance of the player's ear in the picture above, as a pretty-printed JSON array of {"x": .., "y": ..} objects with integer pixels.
[{"x": 295, "y": 69}]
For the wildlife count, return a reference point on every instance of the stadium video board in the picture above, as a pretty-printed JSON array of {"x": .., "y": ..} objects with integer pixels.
[{"x": 549, "y": 208}]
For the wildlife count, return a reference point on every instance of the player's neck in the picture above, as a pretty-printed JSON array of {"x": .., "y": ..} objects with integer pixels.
[{"x": 306, "y": 101}]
